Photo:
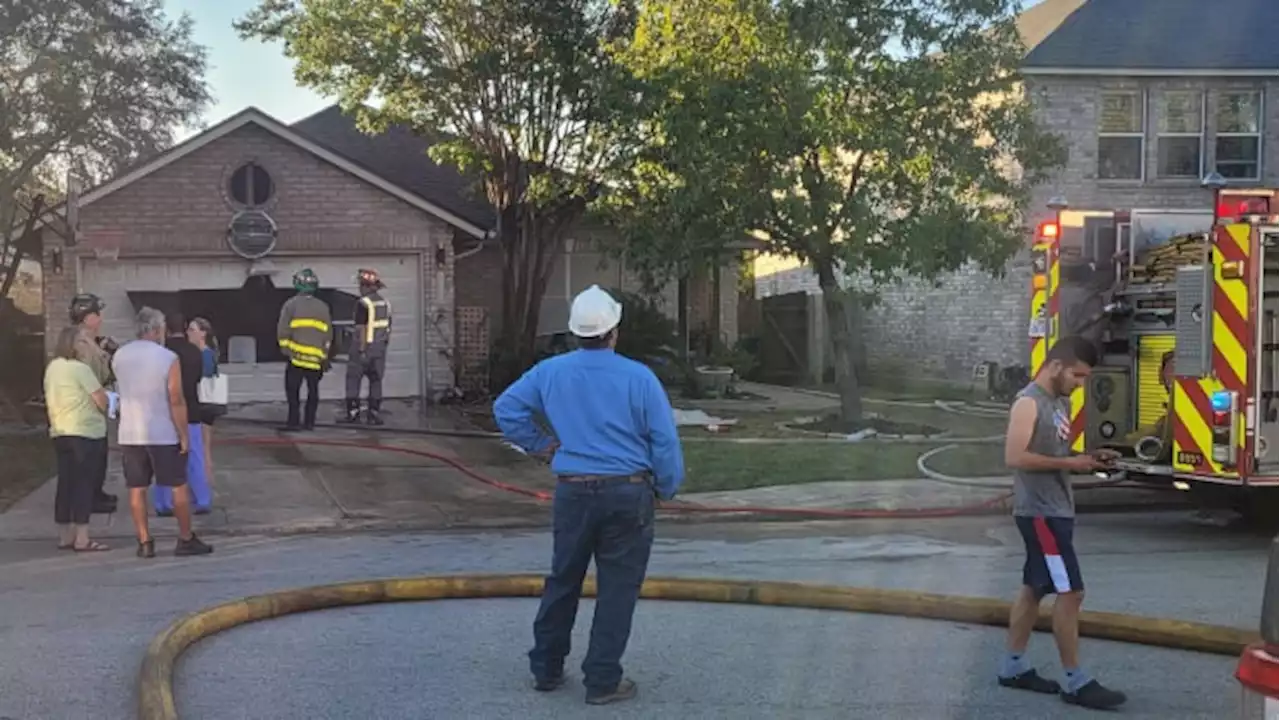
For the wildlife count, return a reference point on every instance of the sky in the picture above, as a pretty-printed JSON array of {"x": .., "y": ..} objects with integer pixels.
[
  {"x": 244, "y": 72},
  {"x": 248, "y": 72}
]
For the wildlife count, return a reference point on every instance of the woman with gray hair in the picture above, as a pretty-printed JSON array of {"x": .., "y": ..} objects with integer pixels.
[{"x": 77, "y": 407}]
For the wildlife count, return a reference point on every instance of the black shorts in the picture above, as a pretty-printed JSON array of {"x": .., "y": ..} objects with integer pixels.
[
  {"x": 1051, "y": 565},
  {"x": 165, "y": 463}
]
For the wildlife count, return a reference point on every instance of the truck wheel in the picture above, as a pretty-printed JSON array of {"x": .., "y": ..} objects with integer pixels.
[{"x": 1261, "y": 510}]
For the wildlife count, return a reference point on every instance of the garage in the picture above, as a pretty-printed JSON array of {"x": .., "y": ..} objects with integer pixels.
[{"x": 242, "y": 299}]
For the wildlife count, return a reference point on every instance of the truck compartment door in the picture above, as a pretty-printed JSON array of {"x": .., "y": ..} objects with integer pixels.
[
  {"x": 1193, "y": 321},
  {"x": 1266, "y": 451}
]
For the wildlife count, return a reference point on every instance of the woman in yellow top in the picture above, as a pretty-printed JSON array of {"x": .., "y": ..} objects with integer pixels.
[{"x": 77, "y": 407}]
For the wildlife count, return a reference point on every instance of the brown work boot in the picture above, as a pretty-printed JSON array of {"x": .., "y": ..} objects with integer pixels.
[{"x": 625, "y": 690}]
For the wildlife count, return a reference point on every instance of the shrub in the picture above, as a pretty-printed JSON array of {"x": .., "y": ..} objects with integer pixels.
[{"x": 646, "y": 333}]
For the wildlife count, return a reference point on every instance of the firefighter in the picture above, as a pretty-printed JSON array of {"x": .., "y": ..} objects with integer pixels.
[
  {"x": 367, "y": 356},
  {"x": 86, "y": 314},
  {"x": 304, "y": 332},
  {"x": 368, "y": 348}
]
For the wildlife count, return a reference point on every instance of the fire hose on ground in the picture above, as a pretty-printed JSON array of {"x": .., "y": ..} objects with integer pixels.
[
  {"x": 996, "y": 504},
  {"x": 991, "y": 505},
  {"x": 156, "y": 699}
]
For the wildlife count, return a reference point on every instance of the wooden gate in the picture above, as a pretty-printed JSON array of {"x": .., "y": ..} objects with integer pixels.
[{"x": 784, "y": 338}]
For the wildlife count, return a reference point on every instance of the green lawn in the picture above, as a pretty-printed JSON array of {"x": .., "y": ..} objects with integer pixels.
[
  {"x": 27, "y": 463},
  {"x": 733, "y": 466},
  {"x": 765, "y": 424}
]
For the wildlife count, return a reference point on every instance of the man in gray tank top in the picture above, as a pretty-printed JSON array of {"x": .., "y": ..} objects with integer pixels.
[
  {"x": 1038, "y": 450},
  {"x": 154, "y": 431}
]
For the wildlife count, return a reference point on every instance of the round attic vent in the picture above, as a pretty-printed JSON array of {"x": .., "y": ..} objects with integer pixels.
[{"x": 251, "y": 234}]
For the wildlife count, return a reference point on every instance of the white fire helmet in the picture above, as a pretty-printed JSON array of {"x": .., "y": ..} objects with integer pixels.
[{"x": 594, "y": 312}]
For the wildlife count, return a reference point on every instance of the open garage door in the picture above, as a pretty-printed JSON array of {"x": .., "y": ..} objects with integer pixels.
[{"x": 246, "y": 305}]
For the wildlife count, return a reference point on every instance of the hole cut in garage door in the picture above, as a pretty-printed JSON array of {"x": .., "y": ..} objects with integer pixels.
[{"x": 251, "y": 310}]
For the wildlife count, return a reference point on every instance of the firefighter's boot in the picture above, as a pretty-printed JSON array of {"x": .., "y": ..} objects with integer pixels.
[
  {"x": 352, "y": 414},
  {"x": 373, "y": 415}
]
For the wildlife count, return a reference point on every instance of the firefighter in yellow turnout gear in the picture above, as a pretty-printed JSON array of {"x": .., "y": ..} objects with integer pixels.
[
  {"x": 305, "y": 331},
  {"x": 368, "y": 351}
]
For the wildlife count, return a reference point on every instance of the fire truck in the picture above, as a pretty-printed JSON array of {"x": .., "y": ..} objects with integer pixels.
[{"x": 1193, "y": 289}]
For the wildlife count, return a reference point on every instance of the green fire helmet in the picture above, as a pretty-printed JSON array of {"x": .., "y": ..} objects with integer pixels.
[{"x": 305, "y": 281}]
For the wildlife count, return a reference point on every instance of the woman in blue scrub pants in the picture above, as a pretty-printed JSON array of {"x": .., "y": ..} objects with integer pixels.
[{"x": 191, "y": 365}]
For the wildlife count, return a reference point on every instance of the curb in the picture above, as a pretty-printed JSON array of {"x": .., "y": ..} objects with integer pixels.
[{"x": 155, "y": 682}]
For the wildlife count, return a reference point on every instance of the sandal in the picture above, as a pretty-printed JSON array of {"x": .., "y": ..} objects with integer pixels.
[
  {"x": 93, "y": 546},
  {"x": 66, "y": 547}
]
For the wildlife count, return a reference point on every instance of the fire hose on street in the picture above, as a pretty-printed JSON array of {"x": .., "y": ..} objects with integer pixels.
[
  {"x": 995, "y": 504},
  {"x": 156, "y": 699}
]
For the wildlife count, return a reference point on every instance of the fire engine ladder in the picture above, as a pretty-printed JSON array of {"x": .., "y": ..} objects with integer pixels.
[{"x": 1268, "y": 333}]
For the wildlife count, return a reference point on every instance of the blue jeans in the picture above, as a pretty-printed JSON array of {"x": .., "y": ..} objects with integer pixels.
[{"x": 612, "y": 521}]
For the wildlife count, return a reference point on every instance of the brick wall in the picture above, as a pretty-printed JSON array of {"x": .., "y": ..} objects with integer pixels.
[
  {"x": 1069, "y": 107},
  {"x": 703, "y": 298},
  {"x": 970, "y": 317},
  {"x": 934, "y": 330},
  {"x": 183, "y": 209}
]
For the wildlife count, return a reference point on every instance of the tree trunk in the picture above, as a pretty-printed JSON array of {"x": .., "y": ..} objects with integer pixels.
[
  {"x": 531, "y": 243},
  {"x": 516, "y": 345},
  {"x": 838, "y": 324}
]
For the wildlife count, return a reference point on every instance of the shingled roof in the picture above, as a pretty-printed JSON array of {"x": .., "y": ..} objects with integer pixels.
[
  {"x": 1231, "y": 37},
  {"x": 400, "y": 156}
]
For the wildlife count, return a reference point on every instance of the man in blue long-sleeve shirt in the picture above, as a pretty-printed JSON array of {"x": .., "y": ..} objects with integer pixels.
[{"x": 615, "y": 447}]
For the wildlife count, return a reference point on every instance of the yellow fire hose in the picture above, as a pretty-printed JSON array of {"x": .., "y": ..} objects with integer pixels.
[{"x": 155, "y": 686}]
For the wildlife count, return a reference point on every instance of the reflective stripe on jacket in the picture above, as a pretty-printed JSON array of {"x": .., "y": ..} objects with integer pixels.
[
  {"x": 305, "y": 331},
  {"x": 373, "y": 318}
]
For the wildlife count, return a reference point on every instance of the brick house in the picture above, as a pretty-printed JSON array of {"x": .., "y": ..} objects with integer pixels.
[
  {"x": 217, "y": 225},
  {"x": 1152, "y": 95},
  {"x": 1148, "y": 96}
]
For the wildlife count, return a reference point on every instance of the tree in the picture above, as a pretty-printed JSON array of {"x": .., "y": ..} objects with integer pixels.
[
  {"x": 521, "y": 93},
  {"x": 86, "y": 87},
  {"x": 699, "y": 99},
  {"x": 898, "y": 143}
]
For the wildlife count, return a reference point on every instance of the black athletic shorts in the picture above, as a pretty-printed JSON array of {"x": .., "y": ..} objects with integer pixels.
[
  {"x": 165, "y": 463},
  {"x": 1051, "y": 565}
]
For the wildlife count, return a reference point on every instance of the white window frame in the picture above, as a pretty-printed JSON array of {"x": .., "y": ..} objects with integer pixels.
[
  {"x": 1141, "y": 134},
  {"x": 1204, "y": 109},
  {"x": 1262, "y": 116}
]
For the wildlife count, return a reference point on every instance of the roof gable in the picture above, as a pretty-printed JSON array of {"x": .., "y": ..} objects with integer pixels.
[
  {"x": 253, "y": 116},
  {"x": 1226, "y": 37}
]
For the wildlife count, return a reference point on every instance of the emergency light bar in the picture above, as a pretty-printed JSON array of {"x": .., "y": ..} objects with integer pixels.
[
  {"x": 1047, "y": 231},
  {"x": 1239, "y": 205}
]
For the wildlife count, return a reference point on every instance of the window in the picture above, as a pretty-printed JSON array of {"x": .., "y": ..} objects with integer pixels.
[
  {"x": 251, "y": 185},
  {"x": 1121, "y": 117},
  {"x": 1179, "y": 135},
  {"x": 1237, "y": 147}
]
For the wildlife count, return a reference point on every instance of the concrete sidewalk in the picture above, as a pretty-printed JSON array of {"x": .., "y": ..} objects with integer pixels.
[
  {"x": 292, "y": 488},
  {"x": 298, "y": 487}
]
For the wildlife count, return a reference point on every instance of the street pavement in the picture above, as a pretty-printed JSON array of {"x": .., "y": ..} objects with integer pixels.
[{"x": 73, "y": 628}]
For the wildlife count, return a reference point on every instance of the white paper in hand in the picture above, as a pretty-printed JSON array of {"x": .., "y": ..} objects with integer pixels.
[{"x": 113, "y": 404}]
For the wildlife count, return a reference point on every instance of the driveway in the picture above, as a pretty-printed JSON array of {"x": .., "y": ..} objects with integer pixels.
[{"x": 74, "y": 627}]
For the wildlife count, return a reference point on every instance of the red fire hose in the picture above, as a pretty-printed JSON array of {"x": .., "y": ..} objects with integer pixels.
[{"x": 989, "y": 506}]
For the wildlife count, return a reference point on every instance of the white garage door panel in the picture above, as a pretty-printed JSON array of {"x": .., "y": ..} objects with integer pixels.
[{"x": 265, "y": 382}]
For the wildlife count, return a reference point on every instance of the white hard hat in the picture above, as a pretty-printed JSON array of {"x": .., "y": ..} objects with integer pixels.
[{"x": 594, "y": 312}]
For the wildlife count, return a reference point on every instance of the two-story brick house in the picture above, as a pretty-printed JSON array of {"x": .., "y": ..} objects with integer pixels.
[
  {"x": 1148, "y": 96},
  {"x": 1152, "y": 95}
]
